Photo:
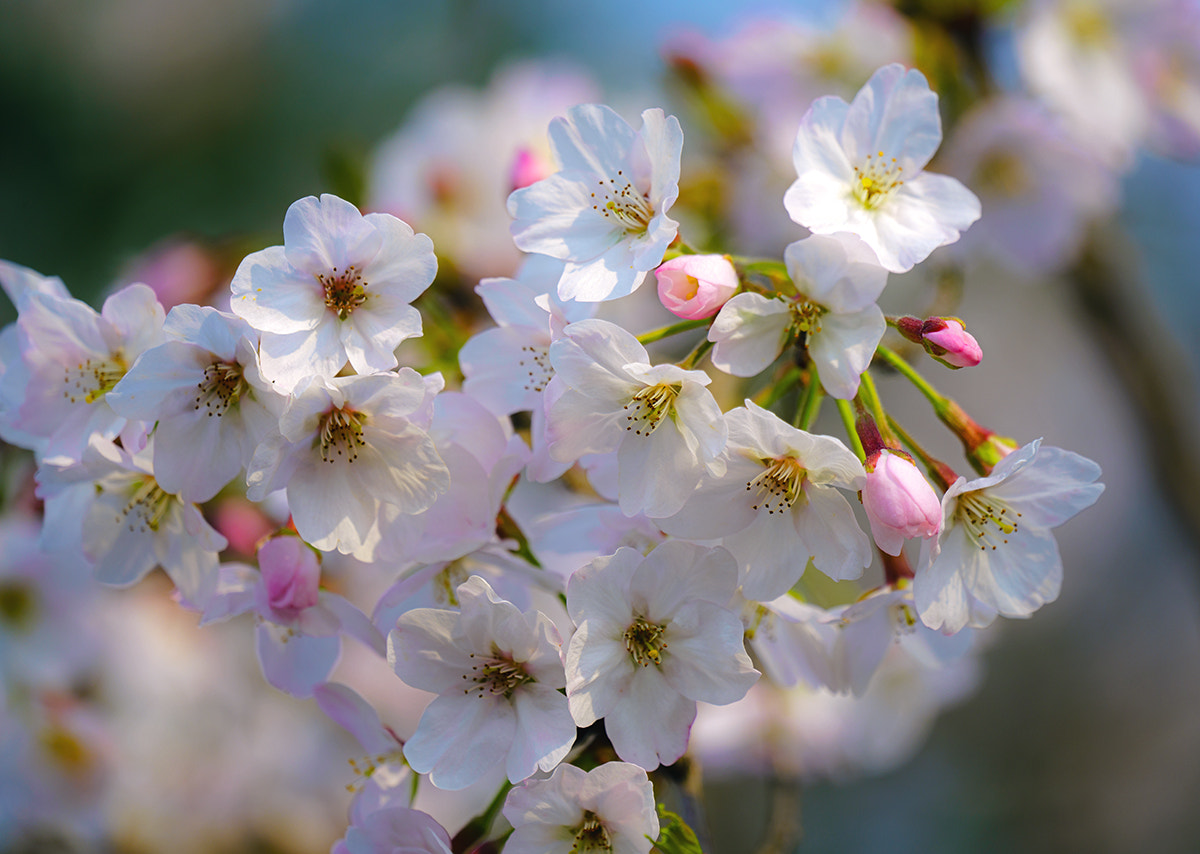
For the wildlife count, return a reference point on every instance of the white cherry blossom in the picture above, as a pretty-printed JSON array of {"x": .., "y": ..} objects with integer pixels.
[
  {"x": 654, "y": 635},
  {"x": 996, "y": 553},
  {"x": 660, "y": 419},
  {"x": 777, "y": 504},
  {"x": 859, "y": 170},
  {"x": 496, "y": 672},
  {"x": 605, "y": 212},
  {"x": 338, "y": 290},
  {"x": 205, "y": 390},
  {"x": 608, "y": 809},
  {"x": 345, "y": 447},
  {"x": 837, "y": 281}
]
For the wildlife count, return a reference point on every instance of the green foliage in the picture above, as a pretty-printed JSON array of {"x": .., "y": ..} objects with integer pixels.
[{"x": 675, "y": 837}]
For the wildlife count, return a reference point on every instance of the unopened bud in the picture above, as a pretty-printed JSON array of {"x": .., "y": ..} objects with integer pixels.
[
  {"x": 696, "y": 286},
  {"x": 948, "y": 341},
  {"x": 899, "y": 501},
  {"x": 291, "y": 573}
]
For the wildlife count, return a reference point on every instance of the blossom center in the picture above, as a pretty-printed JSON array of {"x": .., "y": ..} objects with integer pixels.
[
  {"x": 779, "y": 486},
  {"x": 498, "y": 675},
  {"x": 18, "y": 605},
  {"x": 649, "y": 406},
  {"x": 341, "y": 435},
  {"x": 591, "y": 835},
  {"x": 877, "y": 180},
  {"x": 623, "y": 204},
  {"x": 1003, "y": 174},
  {"x": 987, "y": 520},
  {"x": 344, "y": 291},
  {"x": 147, "y": 506},
  {"x": 220, "y": 389},
  {"x": 535, "y": 362},
  {"x": 644, "y": 642},
  {"x": 806, "y": 315},
  {"x": 91, "y": 379},
  {"x": 903, "y": 618}
]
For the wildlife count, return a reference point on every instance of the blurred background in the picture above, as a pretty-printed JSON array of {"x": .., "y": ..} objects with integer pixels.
[{"x": 162, "y": 140}]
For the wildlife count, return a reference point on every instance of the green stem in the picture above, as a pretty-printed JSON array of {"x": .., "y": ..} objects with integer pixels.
[
  {"x": 769, "y": 395},
  {"x": 693, "y": 358},
  {"x": 810, "y": 401},
  {"x": 897, "y": 361},
  {"x": 846, "y": 410},
  {"x": 508, "y": 528},
  {"x": 870, "y": 396},
  {"x": 477, "y": 828},
  {"x": 941, "y": 473},
  {"x": 674, "y": 329}
]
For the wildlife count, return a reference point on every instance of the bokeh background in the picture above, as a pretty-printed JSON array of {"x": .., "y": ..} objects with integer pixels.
[{"x": 127, "y": 123}]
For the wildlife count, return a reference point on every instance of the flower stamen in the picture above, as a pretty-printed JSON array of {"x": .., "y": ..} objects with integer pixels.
[
  {"x": 344, "y": 291},
  {"x": 341, "y": 434},
  {"x": 591, "y": 836},
  {"x": 498, "y": 675},
  {"x": 623, "y": 204},
  {"x": 222, "y": 386},
  {"x": 649, "y": 406},
  {"x": 987, "y": 520},
  {"x": 876, "y": 181},
  {"x": 91, "y": 379},
  {"x": 780, "y": 485},
  {"x": 644, "y": 642}
]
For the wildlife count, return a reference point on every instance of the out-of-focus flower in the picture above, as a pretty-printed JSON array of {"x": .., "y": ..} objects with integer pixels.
[
  {"x": 393, "y": 830},
  {"x": 449, "y": 168},
  {"x": 696, "y": 286},
  {"x": 859, "y": 168},
  {"x": 605, "y": 212},
  {"x": 1039, "y": 183}
]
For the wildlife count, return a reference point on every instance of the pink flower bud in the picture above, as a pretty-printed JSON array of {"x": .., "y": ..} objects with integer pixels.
[
  {"x": 528, "y": 167},
  {"x": 696, "y": 286},
  {"x": 948, "y": 341},
  {"x": 899, "y": 501},
  {"x": 290, "y": 572}
]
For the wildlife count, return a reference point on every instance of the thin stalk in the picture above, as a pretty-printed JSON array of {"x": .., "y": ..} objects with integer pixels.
[
  {"x": 810, "y": 401},
  {"x": 870, "y": 396},
  {"x": 769, "y": 395},
  {"x": 898, "y": 362},
  {"x": 846, "y": 410},
  {"x": 674, "y": 329}
]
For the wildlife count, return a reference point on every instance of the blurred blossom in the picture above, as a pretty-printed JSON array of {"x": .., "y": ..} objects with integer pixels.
[
  {"x": 1040, "y": 185},
  {"x": 178, "y": 270},
  {"x": 450, "y": 167}
]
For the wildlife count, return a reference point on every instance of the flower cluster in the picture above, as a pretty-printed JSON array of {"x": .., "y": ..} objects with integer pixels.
[{"x": 607, "y": 559}]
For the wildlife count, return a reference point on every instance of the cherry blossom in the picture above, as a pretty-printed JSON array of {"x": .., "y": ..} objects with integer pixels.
[
  {"x": 996, "y": 554},
  {"x": 205, "y": 390},
  {"x": 610, "y": 808},
  {"x": 837, "y": 280},
  {"x": 778, "y": 503},
  {"x": 339, "y": 289},
  {"x": 660, "y": 419},
  {"x": 345, "y": 447},
  {"x": 899, "y": 501},
  {"x": 605, "y": 212},
  {"x": 496, "y": 672},
  {"x": 654, "y": 635},
  {"x": 859, "y": 170}
]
